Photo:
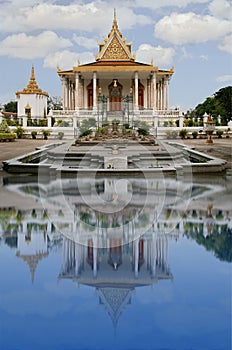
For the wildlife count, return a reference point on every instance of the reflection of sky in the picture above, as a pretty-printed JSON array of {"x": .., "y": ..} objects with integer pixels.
[{"x": 192, "y": 311}]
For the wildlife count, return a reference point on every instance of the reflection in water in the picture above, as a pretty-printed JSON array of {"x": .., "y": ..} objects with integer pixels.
[
  {"x": 119, "y": 240},
  {"x": 117, "y": 270}
]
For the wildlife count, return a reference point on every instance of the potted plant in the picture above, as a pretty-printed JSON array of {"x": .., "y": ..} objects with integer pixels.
[
  {"x": 19, "y": 131},
  {"x": 194, "y": 134},
  {"x": 46, "y": 133},
  {"x": 60, "y": 135},
  {"x": 183, "y": 133},
  {"x": 219, "y": 133},
  {"x": 227, "y": 133},
  {"x": 33, "y": 134}
]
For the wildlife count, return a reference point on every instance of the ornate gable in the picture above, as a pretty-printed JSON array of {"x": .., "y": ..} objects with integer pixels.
[{"x": 115, "y": 47}]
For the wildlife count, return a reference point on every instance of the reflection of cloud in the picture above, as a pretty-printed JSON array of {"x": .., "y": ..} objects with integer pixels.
[
  {"x": 159, "y": 293},
  {"x": 49, "y": 302},
  {"x": 179, "y": 319},
  {"x": 24, "y": 302}
]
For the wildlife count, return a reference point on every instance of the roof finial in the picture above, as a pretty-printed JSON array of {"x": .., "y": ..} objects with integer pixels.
[{"x": 115, "y": 24}]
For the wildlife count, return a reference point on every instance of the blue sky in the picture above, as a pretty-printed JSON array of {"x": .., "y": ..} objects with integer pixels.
[{"x": 194, "y": 36}]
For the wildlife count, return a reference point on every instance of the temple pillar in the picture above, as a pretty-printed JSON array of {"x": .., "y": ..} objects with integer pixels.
[
  {"x": 153, "y": 254},
  {"x": 136, "y": 91},
  {"x": 76, "y": 91},
  {"x": 94, "y": 90},
  {"x": 24, "y": 121},
  {"x": 148, "y": 93},
  {"x": 181, "y": 122},
  {"x": 95, "y": 257},
  {"x": 63, "y": 92},
  {"x": 157, "y": 96},
  {"x": 66, "y": 94},
  {"x": 167, "y": 94},
  {"x": 136, "y": 243},
  {"x": 162, "y": 85},
  {"x": 49, "y": 121},
  {"x": 154, "y": 91}
]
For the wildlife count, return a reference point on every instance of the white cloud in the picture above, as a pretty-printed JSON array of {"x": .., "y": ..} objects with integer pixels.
[
  {"x": 161, "y": 56},
  {"x": 225, "y": 79},
  {"x": 67, "y": 59},
  {"x": 183, "y": 28},
  {"x": 85, "y": 42},
  {"x": 221, "y": 9},
  {"x": 204, "y": 57},
  {"x": 226, "y": 44},
  {"x": 154, "y": 5},
  {"x": 91, "y": 17},
  {"x": 31, "y": 47}
]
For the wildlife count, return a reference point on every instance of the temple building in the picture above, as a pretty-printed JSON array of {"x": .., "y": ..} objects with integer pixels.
[
  {"x": 116, "y": 83},
  {"x": 32, "y": 101}
]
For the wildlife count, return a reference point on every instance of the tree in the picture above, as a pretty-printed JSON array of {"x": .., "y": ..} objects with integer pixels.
[
  {"x": 55, "y": 102},
  {"x": 218, "y": 104},
  {"x": 11, "y": 107}
]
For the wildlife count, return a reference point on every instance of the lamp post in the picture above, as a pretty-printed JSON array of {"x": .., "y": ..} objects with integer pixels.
[
  {"x": 128, "y": 99},
  {"x": 102, "y": 99}
]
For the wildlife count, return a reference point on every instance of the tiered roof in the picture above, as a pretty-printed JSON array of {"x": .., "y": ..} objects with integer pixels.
[{"x": 32, "y": 86}]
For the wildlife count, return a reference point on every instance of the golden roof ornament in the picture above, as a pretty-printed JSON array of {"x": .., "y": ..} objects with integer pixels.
[
  {"x": 115, "y": 47},
  {"x": 32, "y": 86}
]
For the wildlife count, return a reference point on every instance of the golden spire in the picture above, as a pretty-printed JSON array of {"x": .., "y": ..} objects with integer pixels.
[
  {"x": 115, "y": 23},
  {"x": 115, "y": 47},
  {"x": 32, "y": 86}
]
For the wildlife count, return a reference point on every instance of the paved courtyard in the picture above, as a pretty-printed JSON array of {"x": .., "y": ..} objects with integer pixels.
[{"x": 221, "y": 148}]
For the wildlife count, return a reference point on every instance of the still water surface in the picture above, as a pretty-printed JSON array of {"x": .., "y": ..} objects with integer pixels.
[{"x": 118, "y": 264}]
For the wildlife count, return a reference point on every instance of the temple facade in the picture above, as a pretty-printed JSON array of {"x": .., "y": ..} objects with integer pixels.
[
  {"x": 116, "y": 84},
  {"x": 32, "y": 101}
]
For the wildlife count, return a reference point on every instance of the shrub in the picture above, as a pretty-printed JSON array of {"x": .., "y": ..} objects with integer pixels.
[
  {"x": 19, "y": 132},
  {"x": 86, "y": 133},
  {"x": 194, "y": 134},
  {"x": 33, "y": 134},
  {"x": 7, "y": 136},
  {"x": 4, "y": 128},
  {"x": 143, "y": 132},
  {"x": 100, "y": 131},
  {"x": 172, "y": 134},
  {"x": 60, "y": 135},
  {"x": 46, "y": 133},
  {"x": 126, "y": 125},
  {"x": 183, "y": 133},
  {"x": 115, "y": 122},
  {"x": 5, "y": 133},
  {"x": 219, "y": 133}
]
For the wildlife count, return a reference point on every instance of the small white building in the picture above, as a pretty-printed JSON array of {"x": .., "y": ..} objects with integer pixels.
[{"x": 32, "y": 101}]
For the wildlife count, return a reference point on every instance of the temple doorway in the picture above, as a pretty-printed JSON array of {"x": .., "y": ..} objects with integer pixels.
[{"x": 115, "y": 96}]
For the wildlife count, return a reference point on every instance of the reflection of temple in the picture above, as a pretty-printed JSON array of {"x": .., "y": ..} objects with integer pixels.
[
  {"x": 32, "y": 247},
  {"x": 116, "y": 270}
]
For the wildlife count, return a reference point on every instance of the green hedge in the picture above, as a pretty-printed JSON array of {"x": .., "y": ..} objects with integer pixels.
[{"x": 7, "y": 136}]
